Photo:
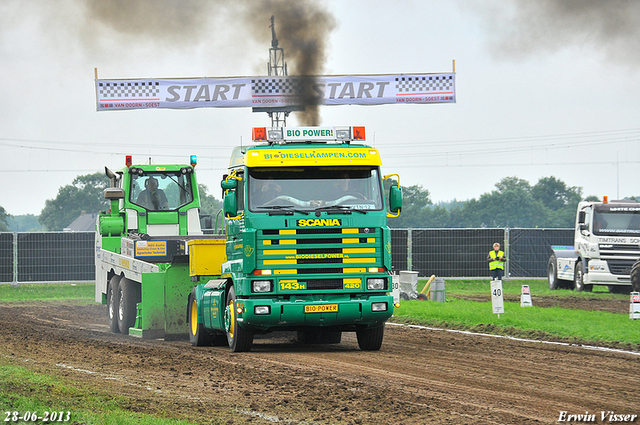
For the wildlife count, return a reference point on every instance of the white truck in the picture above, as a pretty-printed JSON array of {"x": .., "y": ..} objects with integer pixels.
[{"x": 606, "y": 249}]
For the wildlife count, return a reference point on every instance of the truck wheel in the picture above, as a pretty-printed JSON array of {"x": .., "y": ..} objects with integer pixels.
[
  {"x": 635, "y": 276},
  {"x": 370, "y": 339},
  {"x": 552, "y": 274},
  {"x": 239, "y": 339},
  {"x": 128, "y": 298},
  {"x": 198, "y": 335},
  {"x": 112, "y": 304},
  {"x": 578, "y": 279}
]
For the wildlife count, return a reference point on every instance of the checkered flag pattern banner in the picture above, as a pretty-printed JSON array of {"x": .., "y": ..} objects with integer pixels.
[
  {"x": 424, "y": 84},
  {"x": 275, "y": 86},
  {"x": 129, "y": 90},
  {"x": 274, "y": 91}
]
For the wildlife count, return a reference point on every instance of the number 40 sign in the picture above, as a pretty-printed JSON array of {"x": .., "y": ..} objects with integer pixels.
[{"x": 496, "y": 297}]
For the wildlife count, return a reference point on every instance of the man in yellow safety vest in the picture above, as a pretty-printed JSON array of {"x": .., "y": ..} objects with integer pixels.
[{"x": 496, "y": 259}]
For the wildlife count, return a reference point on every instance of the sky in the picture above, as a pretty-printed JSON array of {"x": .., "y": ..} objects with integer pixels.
[{"x": 543, "y": 88}]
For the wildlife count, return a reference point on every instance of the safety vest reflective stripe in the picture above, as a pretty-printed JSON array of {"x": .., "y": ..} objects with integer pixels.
[{"x": 496, "y": 264}]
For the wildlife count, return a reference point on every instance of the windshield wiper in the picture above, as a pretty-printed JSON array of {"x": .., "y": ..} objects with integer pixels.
[
  {"x": 179, "y": 185},
  {"x": 286, "y": 209},
  {"x": 340, "y": 208}
]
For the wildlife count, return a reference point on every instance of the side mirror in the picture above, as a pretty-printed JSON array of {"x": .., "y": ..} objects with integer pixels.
[
  {"x": 229, "y": 184},
  {"x": 581, "y": 217},
  {"x": 230, "y": 204},
  {"x": 111, "y": 193},
  {"x": 395, "y": 200}
]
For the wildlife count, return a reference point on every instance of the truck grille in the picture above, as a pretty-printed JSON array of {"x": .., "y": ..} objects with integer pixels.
[
  {"x": 619, "y": 249},
  {"x": 322, "y": 259},
  {"x": 621, "y": 267}
]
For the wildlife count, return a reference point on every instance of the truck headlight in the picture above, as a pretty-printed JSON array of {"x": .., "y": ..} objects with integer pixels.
[
  {"x": 261, "y": 309},
  {"x": 379, "y": 307},
  {"x": 376, "y": 284},
  {"x": 261, "y": 286}
]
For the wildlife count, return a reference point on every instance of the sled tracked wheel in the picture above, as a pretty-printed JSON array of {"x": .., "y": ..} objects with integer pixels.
[
  {"x": 112, "y": 304},
  {"x": 128, "y": 298},
  {"x": 198, "y": 335},
  {"x": 370, "y": 339},
  {"x": 239, "y": 339},
  {"x": 635, "y": 276}
]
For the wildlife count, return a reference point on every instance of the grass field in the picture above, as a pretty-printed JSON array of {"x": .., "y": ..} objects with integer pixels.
[
  {"x": 22, "y": 391},
  {"x": 77, "y": 293},
  {"x": 539, "y": 287},
  {"x": 594, "y": 327}
]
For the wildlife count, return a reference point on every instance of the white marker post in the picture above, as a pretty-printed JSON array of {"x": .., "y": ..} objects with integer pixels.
[
  {"x": 395, "y": 290},
  {"x": 497, "y": 301},
  {"x": 525, "y": 297},
  {"x": 634, "y": 306}
]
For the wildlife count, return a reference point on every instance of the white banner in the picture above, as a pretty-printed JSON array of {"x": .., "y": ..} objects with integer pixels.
[{"x": 238, "y": 92}]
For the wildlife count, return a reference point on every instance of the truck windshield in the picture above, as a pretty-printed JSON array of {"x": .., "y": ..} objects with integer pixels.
[
  {"x": 312, "y": 188},
  {"x": 161, "y": 191},
  {"x": 616, "y": 220}
]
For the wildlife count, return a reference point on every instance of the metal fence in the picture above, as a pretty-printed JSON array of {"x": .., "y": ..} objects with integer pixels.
[
  {"x": 47, "y": 257},
  {"x": 65, "y": 256},
  {"x": 463, "y": 252}
]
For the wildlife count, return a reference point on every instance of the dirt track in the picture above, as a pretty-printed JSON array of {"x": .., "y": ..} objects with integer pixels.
[{"x": 419, "y": 376}]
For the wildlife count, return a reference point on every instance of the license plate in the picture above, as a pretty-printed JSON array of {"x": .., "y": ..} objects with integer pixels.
[{"x": 321, "y": 308}]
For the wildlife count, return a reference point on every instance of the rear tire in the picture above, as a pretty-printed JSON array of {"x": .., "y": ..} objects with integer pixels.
[
  {"x": 198, "y": 335},
  {"x": 552, "y": 274},
  {"x": 128, "y": 298},
  {"x": 370, "y": 339},
  {"x": 239, "y": 339},
  {"x": 112, "y": 304}
]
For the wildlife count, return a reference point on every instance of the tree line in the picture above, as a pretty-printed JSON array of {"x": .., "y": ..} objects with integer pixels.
[{"x": 550, "y": 203}]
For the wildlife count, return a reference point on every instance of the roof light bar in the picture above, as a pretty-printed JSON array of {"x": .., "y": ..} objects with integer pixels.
[{"x": 308, "y": 134}]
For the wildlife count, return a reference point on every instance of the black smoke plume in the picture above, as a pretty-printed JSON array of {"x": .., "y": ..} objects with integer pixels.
[{"x": 303, "y": 29}]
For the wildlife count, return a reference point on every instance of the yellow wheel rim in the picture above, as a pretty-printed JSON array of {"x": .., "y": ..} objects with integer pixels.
[
  {"x": 232, "y": 317},
  {"x": 194, "y": 317}
]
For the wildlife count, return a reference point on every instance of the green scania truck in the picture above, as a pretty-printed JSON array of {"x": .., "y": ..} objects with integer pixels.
[{"x": 306, "y": 246}]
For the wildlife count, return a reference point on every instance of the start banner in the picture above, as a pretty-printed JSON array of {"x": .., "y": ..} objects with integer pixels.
[{"x": 277, "y": 92}]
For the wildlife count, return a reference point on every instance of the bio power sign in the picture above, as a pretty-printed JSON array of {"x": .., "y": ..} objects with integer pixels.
[{"x": 281, "y": 91}]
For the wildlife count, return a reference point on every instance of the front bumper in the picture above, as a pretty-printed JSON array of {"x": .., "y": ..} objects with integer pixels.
[{"x": 340, "y": 311}]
